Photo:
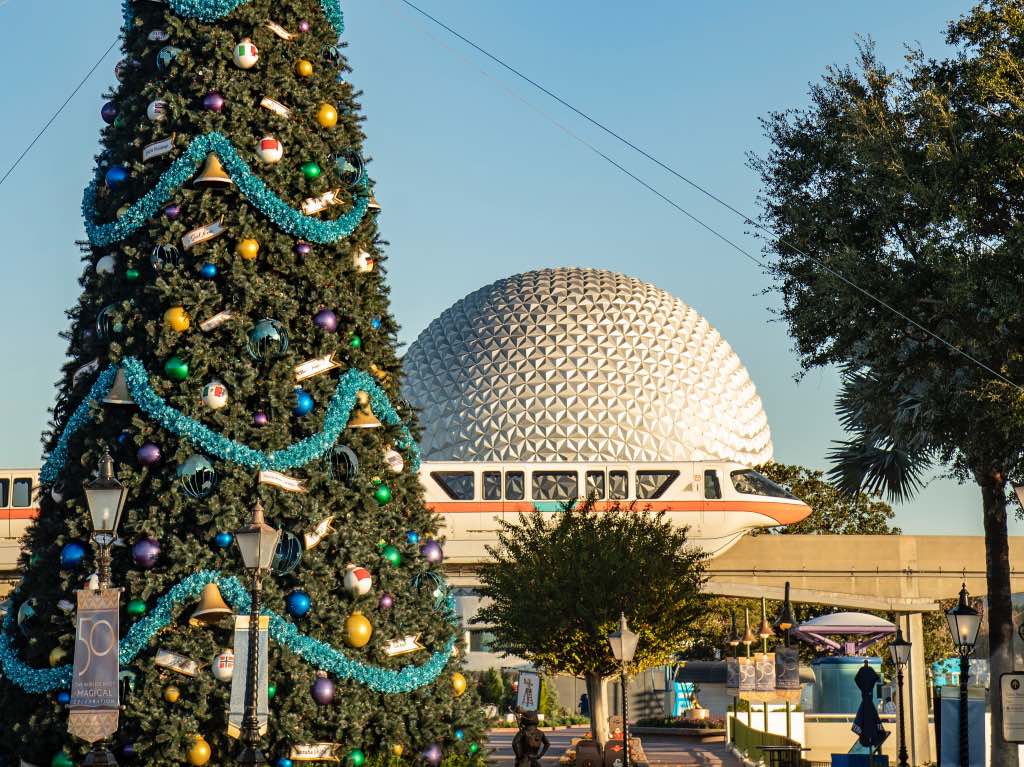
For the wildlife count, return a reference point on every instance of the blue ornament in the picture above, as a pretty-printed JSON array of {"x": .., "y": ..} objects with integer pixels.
[
  {"x": 223, "y": 540},
  {"x": 116, "y": 176},
  {"x": 459, "y": 735},
  {"x": 376, "y": 323},
  {"x": 64, "y": 697},
  {"x": 197, "y": 476},
  {"x": 166, "y": 57},
  {"x": 412, "y": 537},
  {"x": 267, "y": 339},
  {"x": 287, "y": 555},
  {"x": 284, "y": 761},
  {"x": 350, "y": 168},
  {"x": 208, "y": 271},
  {"x": 297, "y": 603},
  {"x": 303, "y": 402},
  {"x": 72, "y": 555}
]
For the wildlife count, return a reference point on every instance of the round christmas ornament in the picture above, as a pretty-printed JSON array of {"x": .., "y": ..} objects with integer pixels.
[
  {"x": 200, "y": 753},
  {"x": 433, "y": 754},
  {"x": 176, "y": 318},
  {"x": 57, "y": 656},
  {"x": 459, "y": 734},
  {"x": 376, "y": 323},
  {"x": 412, "y": 537},
  {"x": 135, "y": 607},
  {"x": 64, "y": 697},
  {"x": 115, "y": 177},
  {"x": 358, "y": 581},
  {"x": 26, "y": 618},
  {"x": 128, "y": 749},
  {"x": 148, "y": 454},
  {"x": 356, "y": 757},
  {"x": 304, "y": 68},
  {"x": 382, "y": 494},
  {"x": 284, "y": 761},
  {"x": 269, "y": 150},
  {"x": 131, "y": 275},
  {"x": 223, "y": 539},
  {"x": 121, "y": 70},
  {"x": 172, "y": 211},
  {"x": 164, "y": 256},
  {"x": 458, "y": 684},
  {"x": 166, "y": 57},
  {"x": 245, "y": 54},
  {"x": 268, "y": 339},
  {"x": 302, "y": 249},
  {"x": 72, "y": 555},
  {"x": 392, "y": 555},
  {"x": 109, "y": 112},
  {"x": 213, "y": 102},
  {"x": 473, "y": 748},
  {"x": 176, "y": 368},
  {"x": 327, "y": 116},
  {"x": 248, "y": 249},
  {"x": 398, "y": 749},
  {"x": 197, "y": 476},
  {"x": 322, "y": 689},
  {"x": 259, "y": 418},
  {"x": 386, "y": 601},
  {"x": 146, "y": 553},
  {"x": 311, "y": 170},
  {"x": 223, "y": 666},
  {"x": 106, "y": 324},
  {"x": 303, "y": 402},
  {"x": 172, "y": 694},
  {"x": 304, "y": 26},
  {"x": 61, "y": 759},
  {"x": 288, "y": 554},
  {"x": 394, "y": 460},
  {"x": 326, "y": 320},
  {"x": 432, "y": 551},
  {"x": 297, "y": 603},
  {"x": 358, "y": 630},
  {"x": 342, "y": 463},
  {"x": 355, "y": 342},
  {"x": 215, "y": 395},
  {"x": 271, "y": 690},
  {"x": 157, "y": 110},
  {"x": 57, "y": 491},
  {"x": 363, "y": 262},
  {"x": 351, "y": 168},
  {"x": 106, "y": 265},
  {"x": 208, "y": 271}
]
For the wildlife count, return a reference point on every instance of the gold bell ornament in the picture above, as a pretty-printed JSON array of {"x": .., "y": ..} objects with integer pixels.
[
  {"x": 213, "y": 175},
  {"x": 362, "y": 416},
  {"x": 211, "y": 609}
]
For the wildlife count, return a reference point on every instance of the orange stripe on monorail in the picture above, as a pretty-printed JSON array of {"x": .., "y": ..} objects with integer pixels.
[
  {"x": 782, "y": 513},
  {"x": 19, "y": 513}
]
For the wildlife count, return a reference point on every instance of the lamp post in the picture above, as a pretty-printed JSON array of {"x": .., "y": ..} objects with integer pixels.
[
  {"x": 964, "y": 622},
  {"x": 623, "y": 644},
  {"x": 105, "y": 497},
  {"x": 257, "y": 542},
  {"x": 899, "y": 651},
  {"x": 734, "y": 643}
]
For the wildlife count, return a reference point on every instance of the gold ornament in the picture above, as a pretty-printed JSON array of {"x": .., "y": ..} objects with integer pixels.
[
  {"x": 57, "y": 656},
  {"x": 171, "y": 694},
  {"x": 176, "y": 319},
  {"x": 358, "y": 630},
  {"x": 458, "y": 683},
  {"x": 200, "y": 752},
  {"x": 304, "y": 68},
  {"x": 248, "y": 249},
  {"x": 327, "y": 116},
  {"x": 398, "y": 749}
]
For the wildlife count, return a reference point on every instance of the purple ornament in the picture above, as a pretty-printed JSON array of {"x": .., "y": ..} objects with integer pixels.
[
  {"x": 386, "y": 601},
  {"x": 303, "y": 248},
  {"x": 303, "y": 26},
  {"x": 259, "y": 418},
  {"x": 172, "y": 211},
  {"x": 148, "y": 454},
  {"x": 433, "y": 552},
  {"x": 433, "y": 754},
  {"x": 213, "y": 101},
  {"x": 109, "y": 112},
  {"x": 326, "y": 320},
  {"x": 128, "y": 749},
  {"x": 146, "y": 552},
  {"x": 322, "y": 690}
]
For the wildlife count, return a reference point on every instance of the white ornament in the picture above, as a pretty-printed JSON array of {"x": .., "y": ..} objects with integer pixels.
[
  {"x": 246, "y": 54},
  {"x": 363, "y": 261},
  {"x": 106, "y": 265},
  {"x": 157, "y": 110},
  {"x": 394, "y": 460},
  {"x": 223, "y": 667},
  {"x": 215, "y": 395},
  {"x": 269, "y": 150},
  {"x": 358, "y": 581}
]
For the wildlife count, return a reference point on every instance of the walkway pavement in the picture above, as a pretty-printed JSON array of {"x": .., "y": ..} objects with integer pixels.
[{"x": 662, "y": 750}]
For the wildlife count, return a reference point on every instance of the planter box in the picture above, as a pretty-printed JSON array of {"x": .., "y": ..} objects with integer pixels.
[{"x": 700, "y": 733}]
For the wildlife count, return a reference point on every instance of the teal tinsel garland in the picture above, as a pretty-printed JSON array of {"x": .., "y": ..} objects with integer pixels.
[
  {"x": 263, "y": 199},
  {"x": 343, "y": 401},
  {"x": 319, "y": 655},
  {"x": 215, "y": 10}
]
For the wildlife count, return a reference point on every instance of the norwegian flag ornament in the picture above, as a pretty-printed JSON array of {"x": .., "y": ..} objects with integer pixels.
[
  {"x": 358, "y": 581},
  {"x": 269, "y": 150},
  {"x": 223, "y": 667},
  {"x": 215, "y": 395},
  {"x": 246, "y": 54}
]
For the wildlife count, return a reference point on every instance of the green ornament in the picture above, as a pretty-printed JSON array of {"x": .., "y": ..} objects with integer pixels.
[
  {"x": 136, "y": 607},
  {"x": 176, "y": 368},
  {"x": 311, "y": 170},
  {"x": 119, "y": 122},
  {"x": 392, "y": 555},
  {"x": 356, "y": 342},
  {"x": 34, "y": 560},
  {"x": 131, "y": 274},
  {"x": 473, "y": 748},
  {"x": 382, "y": 494},
  {"x": 356, "y": 757},
  {"x": 61, "y": 759},
  {"x": 271, "y": 690}
]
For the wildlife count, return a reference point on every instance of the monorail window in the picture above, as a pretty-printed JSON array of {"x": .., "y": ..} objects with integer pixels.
[
  {"x": 5, "y": 493},
  {"x": 492, "y": 485},
  {"x": 751, "y": 482},
  {"x": 711, "y": 487},
  {"x": 22, "y": 496},
  {"x": 515, "y": 485},
  {"x": 555, "y": 486},
  {"x": 618, "y": 485},
  {"x": 458, "y": 484},
  {"x": 595, "y": 484},
  {"x": 653, "y": 484}
]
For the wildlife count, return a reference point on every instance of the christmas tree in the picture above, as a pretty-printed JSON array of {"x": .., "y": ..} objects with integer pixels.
[{"x": 232, "y": 359}]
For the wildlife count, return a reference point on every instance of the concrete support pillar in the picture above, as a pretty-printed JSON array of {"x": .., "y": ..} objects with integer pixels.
[{"x": 915, "y": 692}]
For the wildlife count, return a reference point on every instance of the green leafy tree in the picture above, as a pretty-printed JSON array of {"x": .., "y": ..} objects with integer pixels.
[
  {"x": 148, "y": 290},
  {"x": 558, "y": 584},
  {"x": 492, "y": 689},
  {"x": 908, "y": 182}
]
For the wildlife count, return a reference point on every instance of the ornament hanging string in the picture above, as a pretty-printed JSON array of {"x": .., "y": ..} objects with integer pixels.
[
  {"x": 316, "y": 653},
  {"x": 313, "y": 447},
  {"x": 215, "y": 10},
  {"x": 256, "y": 191}
]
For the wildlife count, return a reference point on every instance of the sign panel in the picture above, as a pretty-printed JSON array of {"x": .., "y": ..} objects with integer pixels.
[
  {"x": 764, "y": 671},
  {"x": 787, "y": 668},
  {"x": 95, "y": 692},
  {"x": 528, "y": 695},
  {"x": 1011, "y": 698},
  {"x": 236, "y": 711},
  {"x": 746, "y": 669}
]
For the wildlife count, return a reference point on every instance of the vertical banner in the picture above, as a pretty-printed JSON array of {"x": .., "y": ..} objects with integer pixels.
[
  {"x": 746, "y": 669},
  {"x": 237, "y": 708},
  {"x": 95, "y": 693},
  {"x": 787, "y": 668},
  {"x": 732, "y": 675},
  {"x": 764, "y": 672},
  {"x": 528, "y": 695}
]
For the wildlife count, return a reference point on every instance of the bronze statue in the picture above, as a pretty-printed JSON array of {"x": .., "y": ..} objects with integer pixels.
[{"x": 529, "y": 744}]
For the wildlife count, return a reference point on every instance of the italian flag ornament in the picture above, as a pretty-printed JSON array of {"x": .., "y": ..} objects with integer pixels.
[{"x": 246, "y": 54}]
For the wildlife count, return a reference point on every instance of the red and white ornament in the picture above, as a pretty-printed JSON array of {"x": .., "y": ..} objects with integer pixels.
[
  {"x": 157, "y": 110},
  {"x": 269, "y": 150},
  {"x": 358, "y": 581},
  {"x": 215, "y": 395},
  {"x": 224, "y": 666},
  {"x": 394, "y": 460},
  {"x": 246, "y": 54},
  {"x": 363, "y": 261}
]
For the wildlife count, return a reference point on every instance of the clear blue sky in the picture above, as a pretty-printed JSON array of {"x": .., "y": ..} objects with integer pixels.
[{"x": 474, "y": 185}]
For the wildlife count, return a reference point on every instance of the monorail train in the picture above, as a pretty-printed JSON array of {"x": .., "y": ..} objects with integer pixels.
[
  {"x": 718, "y": 501},
  {"x": 18, "y": 507}
]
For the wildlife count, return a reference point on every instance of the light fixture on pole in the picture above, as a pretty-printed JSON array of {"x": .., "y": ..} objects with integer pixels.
[
  {"x": 257, "y": 542},
  {"x": 105, "y": 497},
  {"x": 623, "y": 643},
  {"x": 734, "y": 636},
  {"x": 785, "y": 620},
  {"x": 899, "y": 651},
  {"x": 748, "y": 635},
  {"x": 964, "y": 622}
]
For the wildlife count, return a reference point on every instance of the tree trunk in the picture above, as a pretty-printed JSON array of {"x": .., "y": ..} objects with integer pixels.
[
  {"x": 1000, "y": 609},
  {"x": 598, "y": 707}
]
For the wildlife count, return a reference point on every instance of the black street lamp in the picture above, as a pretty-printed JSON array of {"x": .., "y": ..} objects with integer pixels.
[
  {"x": 964, "y": 622},
  {"x": 105, "y": 497},
  {"x": 257, "y": 542},
  {"x": 899, "y": 651},
  {"x": 623, "y": 644}
]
